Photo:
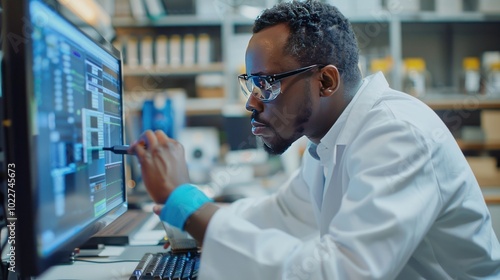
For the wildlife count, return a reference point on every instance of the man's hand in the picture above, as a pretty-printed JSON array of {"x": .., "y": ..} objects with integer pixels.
[{"x": 163, "y": 164}]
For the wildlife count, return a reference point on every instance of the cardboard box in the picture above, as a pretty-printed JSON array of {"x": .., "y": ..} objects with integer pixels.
[
  {"x": 209, "y": 85},
  {"x": 205, "y": 92},
  {"x": 486, "y": 171},
  {"x": 490, "y": 123}
]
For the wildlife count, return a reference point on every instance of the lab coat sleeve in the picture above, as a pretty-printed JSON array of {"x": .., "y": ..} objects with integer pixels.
[
  {"x": 386, "y": 210},
  {"x": 288, "y": 210}
]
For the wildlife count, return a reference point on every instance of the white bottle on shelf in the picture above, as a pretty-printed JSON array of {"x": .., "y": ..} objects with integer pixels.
[
  {"x": 449, "y": 7},
  {"x": 147, "y": 51},
  {"x": 416, "y": 77},
  {"x": 188, "y": 50},
  {"x": 403, "y": 6},
  {"x": 132, "y": 52},
  {"x": 161, "y": 51},
  {"x": 203, "y": 49},
  {"x": 489, "y": 6},
  {"x": 470, "y": 81},
  {"x": 351, "y": 8},
  {"x": 175, "y": 50},
  {"x": 137, "y": 9},
  {"x": 493, "y": 80}
]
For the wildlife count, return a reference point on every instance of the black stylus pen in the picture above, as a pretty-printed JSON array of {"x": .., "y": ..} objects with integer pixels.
[{"x": 118, "y": 149}]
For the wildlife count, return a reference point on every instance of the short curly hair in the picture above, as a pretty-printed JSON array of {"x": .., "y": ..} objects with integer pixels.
[{"x": 319, "y": 34}]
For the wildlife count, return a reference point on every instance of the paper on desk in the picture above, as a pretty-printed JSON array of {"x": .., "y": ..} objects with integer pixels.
[
  {"x": 150, "y": 237},
  {"x": 110, "y": 251}
]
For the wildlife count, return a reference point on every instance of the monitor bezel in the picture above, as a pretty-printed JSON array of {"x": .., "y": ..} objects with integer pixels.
[{"x": 18, "y": 94}]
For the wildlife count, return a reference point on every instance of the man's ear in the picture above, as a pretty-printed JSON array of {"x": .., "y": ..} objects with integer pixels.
[{"x": 330, "y": 80}]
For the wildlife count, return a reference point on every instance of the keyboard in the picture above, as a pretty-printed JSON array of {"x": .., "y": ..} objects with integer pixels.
[{"x": 167, "y": 265}]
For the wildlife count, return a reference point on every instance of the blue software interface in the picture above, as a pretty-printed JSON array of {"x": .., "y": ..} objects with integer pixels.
[{"x": 76, "y": 111}]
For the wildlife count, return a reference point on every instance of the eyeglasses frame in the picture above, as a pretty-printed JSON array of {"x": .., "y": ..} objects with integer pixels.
[{"x": 277, "y": 77}]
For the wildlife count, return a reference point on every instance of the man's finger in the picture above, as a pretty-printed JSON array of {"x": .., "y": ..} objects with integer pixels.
[
  {"x": 137, "y": 148},
  {"x": 162, "y": 138},
  {"x": 150, "y": 139}
]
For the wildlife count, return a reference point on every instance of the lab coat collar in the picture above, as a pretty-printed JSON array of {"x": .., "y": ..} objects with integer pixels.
[
  {"x": 375, "y": 86},
  {"x": 342, "y": 131},
  {"x": 336, "y": 141},
  {"x": 348, "y": 123},
  {"x": 336, "y": 135}
]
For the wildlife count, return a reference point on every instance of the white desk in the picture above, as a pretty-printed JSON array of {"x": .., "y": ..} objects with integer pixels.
[
  {"x": 141, "y": 243},
  {"x": 102, "y": 271}
]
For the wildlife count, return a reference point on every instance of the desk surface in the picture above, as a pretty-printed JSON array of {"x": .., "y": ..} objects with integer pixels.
[
  {"x": 102, "y": 271},
  {"x": 109, "y": 269}
]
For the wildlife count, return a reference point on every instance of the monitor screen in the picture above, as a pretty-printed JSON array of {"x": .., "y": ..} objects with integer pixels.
[{"x": 65, "y": 103}]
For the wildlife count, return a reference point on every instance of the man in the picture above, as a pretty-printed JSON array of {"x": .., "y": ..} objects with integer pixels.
[{"x": 383, "y": 192}]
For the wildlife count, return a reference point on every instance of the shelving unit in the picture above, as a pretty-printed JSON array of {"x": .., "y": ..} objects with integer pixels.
[
  {"x": 457, "y": 101},
  {"x": 216, "y": 67},
  {"x": 171, "y": 20},
  {"x": 157, "y": 78},
  {"x": 478, "y": 145},
  {"x": 442, "y": 40}
]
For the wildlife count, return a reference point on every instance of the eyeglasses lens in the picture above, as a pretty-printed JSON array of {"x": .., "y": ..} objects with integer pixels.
[{"x": 260, "y": 88}]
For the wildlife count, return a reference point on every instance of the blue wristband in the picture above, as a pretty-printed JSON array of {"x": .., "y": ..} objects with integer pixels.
[{"x": 181, "y": 203}]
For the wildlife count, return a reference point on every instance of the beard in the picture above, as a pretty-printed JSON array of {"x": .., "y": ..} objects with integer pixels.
[{"x": 279, "y": 144}]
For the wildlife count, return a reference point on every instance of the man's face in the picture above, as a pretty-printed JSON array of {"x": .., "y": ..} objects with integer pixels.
[{"x": 285, "y": 119}]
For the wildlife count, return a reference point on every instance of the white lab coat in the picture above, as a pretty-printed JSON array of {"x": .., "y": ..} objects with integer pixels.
[{"x": 398, "y": 201}]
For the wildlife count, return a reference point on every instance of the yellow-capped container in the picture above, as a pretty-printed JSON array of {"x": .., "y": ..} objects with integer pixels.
[
  {"x": 416, "y": 77},
  {"x": 493, "y": 79},
  {"x": 471, "y": 63},
  {"x": 383, "y": 65},
  {"x": 495, "y": 66},
  {"x": 470, "y": 80},
  {"x": 415, "y": 64}
]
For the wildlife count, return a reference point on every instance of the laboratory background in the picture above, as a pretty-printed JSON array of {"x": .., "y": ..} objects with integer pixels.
[{"x": 182, "y": 57}]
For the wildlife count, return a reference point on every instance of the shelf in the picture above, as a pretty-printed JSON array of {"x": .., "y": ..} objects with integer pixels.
[
  {"x": 186, "y": 20},
  {"x": 181, "y": 70},
  {"x": 194, "y": 106},
  {"x": 442, "y": 18},
  {"x": 204, "y": 106},
  {"x": 383, "y": 30},
  {"x": 193, "y": 20},
  {"x": 425, "y": 17},
  {"x": 492, "y": 199},
  {"x": 478, "y": 146},
  {"x": 491, "y": 194},
  {"x": 456, "y": 101}
]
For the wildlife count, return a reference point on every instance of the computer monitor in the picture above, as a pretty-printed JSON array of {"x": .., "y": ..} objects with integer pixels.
[{"x": 63, "y": 102}]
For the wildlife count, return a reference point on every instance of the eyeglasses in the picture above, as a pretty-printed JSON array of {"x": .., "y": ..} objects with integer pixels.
[{"x": 267, "y": 87}]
